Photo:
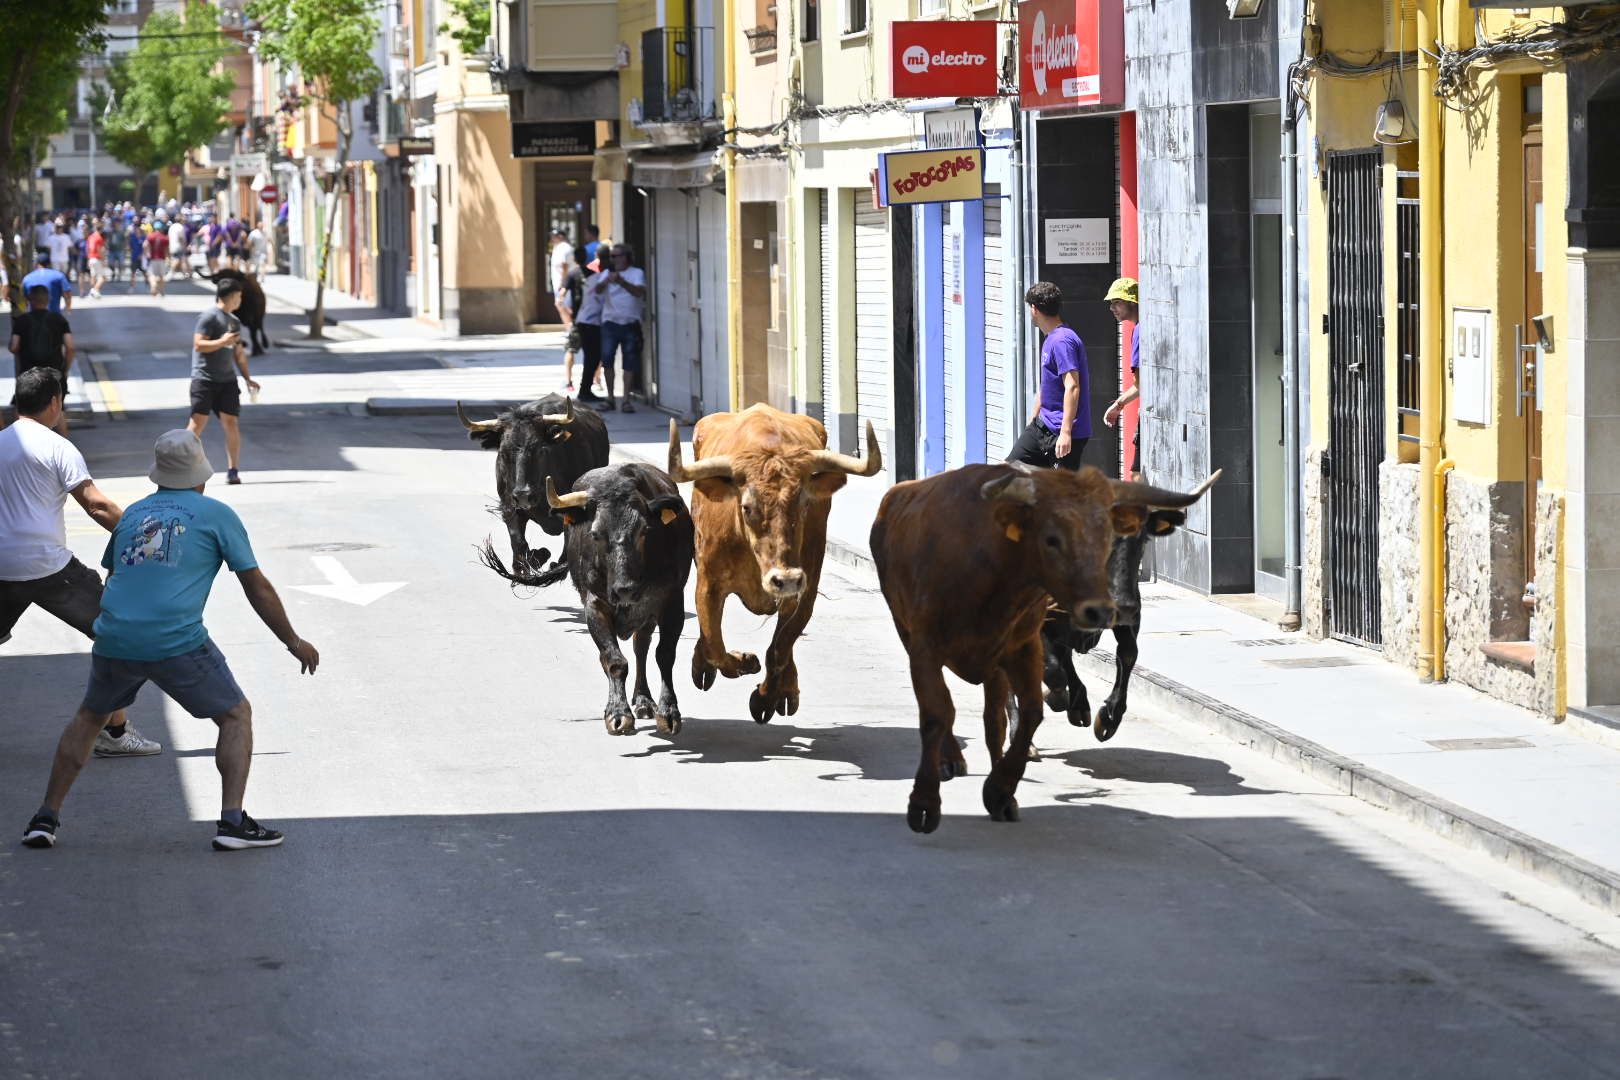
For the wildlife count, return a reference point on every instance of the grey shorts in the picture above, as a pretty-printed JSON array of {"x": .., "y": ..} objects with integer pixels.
[
  {"x": 199, "y": 681},
  {"x": 72, "y": 594}
]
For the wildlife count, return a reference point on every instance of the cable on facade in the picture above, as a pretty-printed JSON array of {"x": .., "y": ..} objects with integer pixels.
[{"x": 1546, "y": 43}]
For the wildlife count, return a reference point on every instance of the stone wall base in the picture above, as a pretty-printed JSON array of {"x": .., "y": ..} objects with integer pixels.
[
  {"x": 1399, "y": 562},
  {"x": 1313, "y": 559}
]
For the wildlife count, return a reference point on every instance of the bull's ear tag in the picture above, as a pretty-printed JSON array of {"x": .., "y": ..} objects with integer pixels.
[
  {"x": 1014, "y": 533},
  {"x": 667, "y": 515},
  {"x": 568, "y": 519}
]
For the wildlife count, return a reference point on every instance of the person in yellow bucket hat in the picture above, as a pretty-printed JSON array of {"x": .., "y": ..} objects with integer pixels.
[{"x": 1121, "y": 300}]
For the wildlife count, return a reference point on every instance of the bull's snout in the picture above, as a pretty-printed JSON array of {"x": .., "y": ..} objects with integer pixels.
[
  {"x": 784, "y": 584},
  {"x": 622, "y": 592},
  {"x": 523, "y": 491},
  {"x": 1094, "y": 614}
]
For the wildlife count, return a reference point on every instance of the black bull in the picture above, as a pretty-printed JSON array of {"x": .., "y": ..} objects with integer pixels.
[
  {"x": 1060, "y": 640},
  {"x": 537, "y": 441},
  {"x": 251, "y": 311},
  {"x": 630, "y": 546}
]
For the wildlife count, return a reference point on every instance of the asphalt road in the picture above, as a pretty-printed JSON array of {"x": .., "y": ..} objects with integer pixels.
[{"x": 479, "y": 881}]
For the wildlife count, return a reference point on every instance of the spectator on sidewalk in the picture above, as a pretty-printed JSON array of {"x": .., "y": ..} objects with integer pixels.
[
  {"x": 117, "y": 247},
  {"x": 623, "y": 290},
  {"x": 562, "y": 257},
  {"x": 1122, "y": 304},
  {"x": 38, "y": 471},
  {"x": 258, "y": 247},
  {"x": 1061, "y": 426},
  {"x": 41, "y": 337},
  {"x": 55, "y": 282},
  {"x": 95, "y": 256},
  {"x": 593, "y": 242},
  {"x": 179, "y": 238},
  {"x": 217, "y": 354},
  {"x": 162, "y": 560},
  {"x": 588, "y": 321}
]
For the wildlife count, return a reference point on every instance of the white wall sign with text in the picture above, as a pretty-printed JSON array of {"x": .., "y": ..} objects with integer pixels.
[{"x": 1077, "y": 240}]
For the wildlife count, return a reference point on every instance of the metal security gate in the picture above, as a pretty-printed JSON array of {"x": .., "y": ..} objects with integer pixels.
[
  {"x": 996, "y": 442},
  {"x": 950, "y": 304},
  {"x": 827, "y": 264},
  {"x": 874, "y": 341},
  {"x": 1355, "y": 392}
]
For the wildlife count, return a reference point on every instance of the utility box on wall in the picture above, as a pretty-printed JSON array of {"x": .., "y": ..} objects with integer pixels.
[{"x": 1472, "y": 355}]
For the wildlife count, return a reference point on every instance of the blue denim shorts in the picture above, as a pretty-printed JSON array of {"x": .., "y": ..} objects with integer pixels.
[{"x": 199, "y": 681}]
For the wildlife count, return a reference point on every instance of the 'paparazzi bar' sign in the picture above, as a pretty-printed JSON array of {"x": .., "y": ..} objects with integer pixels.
[
  {"x": 568, "y": 139},
  {"x": 931, "y": 176},
  {"x": 943, "y": 59}
]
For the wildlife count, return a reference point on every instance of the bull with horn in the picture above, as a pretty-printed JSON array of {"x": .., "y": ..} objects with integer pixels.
[
  {"x": 536, "y": 441},
  {"x": 763, "y": 482}
]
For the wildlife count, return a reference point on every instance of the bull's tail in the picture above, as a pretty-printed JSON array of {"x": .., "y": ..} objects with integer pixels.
[{"x": 488, "y": 556}]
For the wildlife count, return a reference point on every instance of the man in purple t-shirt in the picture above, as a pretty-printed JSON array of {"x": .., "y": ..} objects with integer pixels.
[{"x": 1061, "y": 426}]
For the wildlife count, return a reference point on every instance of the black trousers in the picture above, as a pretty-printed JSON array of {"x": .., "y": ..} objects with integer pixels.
[
  {"x": 1038, "y": 446},
  {"x": 590, "y": 340}
]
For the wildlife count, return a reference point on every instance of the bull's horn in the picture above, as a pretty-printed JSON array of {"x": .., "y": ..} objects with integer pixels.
[
  {"x": 574, "y": 500},
  {"x": 564, "y": 417},
  {"x": 1017, "y": 486},
  {"x": 710, "y": 468},
  {"x": 831, "y": 461},
  {"x": 475, "y": 425},
  {"x": 1131, "y": 493}
]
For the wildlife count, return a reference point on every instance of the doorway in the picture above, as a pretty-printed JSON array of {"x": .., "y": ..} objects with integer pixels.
[
  {"x": 1528, "y": 358},
  {"x": 565, "y": 199},
  {"x": 1270, "y": 479}
]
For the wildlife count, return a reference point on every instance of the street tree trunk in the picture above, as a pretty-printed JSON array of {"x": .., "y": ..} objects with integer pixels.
[{"x": 317, "y": 317}]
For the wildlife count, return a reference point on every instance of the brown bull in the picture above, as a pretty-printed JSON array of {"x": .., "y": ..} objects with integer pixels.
[
  {"x": 967, "y": 561},
  {"x": 764, "y": 481}
]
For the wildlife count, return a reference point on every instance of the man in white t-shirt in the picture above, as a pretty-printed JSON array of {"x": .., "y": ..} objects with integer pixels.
[
  {"x": 623, "y": 290},
  {"x": 60, "y": 245},
  {"x": 179, "y": 257},
  {"x": 562, "y": 260},
  {"x": 38, "y": 471}
]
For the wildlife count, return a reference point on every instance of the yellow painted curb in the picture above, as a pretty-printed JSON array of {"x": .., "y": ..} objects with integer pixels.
[{"x": 109, "y": 391}]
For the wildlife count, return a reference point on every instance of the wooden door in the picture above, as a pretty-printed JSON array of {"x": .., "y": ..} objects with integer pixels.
[{"x": 1528, "y": 357}]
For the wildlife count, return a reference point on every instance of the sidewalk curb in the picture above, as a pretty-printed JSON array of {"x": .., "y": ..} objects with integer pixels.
[{"x": 1592, "y": 883}]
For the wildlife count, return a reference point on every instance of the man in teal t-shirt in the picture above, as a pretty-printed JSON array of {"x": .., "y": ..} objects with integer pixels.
[{"x": 162, "y": 560}]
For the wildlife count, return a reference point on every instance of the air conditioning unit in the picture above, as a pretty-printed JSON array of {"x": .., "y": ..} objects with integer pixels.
[{"x": 400, "y": 44}]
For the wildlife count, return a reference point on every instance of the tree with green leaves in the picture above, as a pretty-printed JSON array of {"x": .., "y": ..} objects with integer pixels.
[
  {"x": 471, "y": 26},
  {"x": 40, "y": 52},
  {"x": 328, "y": 44},
  {"x": 162, "y": 103}
]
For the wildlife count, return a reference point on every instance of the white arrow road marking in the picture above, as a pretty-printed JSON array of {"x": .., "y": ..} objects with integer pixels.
[{"x": 342, "y": 586}]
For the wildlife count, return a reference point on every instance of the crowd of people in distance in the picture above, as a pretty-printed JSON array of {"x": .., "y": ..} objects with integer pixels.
[{"x": 123, "y": 242}]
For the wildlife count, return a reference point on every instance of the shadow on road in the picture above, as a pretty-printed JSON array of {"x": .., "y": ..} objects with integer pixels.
[
  {"x": 1205, "y": 776},
  {"x": 869, "y": 752}
]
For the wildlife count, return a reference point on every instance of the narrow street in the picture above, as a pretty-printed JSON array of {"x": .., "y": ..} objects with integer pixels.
[{"x": 479, "y": 881}]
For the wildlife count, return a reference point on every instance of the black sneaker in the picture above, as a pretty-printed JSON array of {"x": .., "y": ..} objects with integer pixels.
[
  {"x": 41, "y": 832},
  {"x": 588, "y": 397},
  {"x": 249, "y": 834}
]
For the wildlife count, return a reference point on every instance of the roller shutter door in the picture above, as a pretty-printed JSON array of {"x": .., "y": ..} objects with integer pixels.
[
  {"x": 951, "y": 254},
  {"x": 996, "y": 392},
  {"x": 829, "y": 317},
  {"x": 874, "y": 343}
]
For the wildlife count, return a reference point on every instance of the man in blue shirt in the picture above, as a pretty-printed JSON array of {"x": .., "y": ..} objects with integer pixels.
[
  {"x": 59, "y": 284},
  {"x": 1061, "y": 426},
  {"x": 163, "y": 558},
  {"x": 593, "y": 241},
  {"x": 1121, "y": 300}
]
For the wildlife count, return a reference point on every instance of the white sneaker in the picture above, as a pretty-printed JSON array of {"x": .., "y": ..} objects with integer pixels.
[{"x": 130, "y": 744}]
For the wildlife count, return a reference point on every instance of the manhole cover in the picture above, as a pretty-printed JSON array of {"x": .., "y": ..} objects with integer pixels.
[
  {"x": 1312, "y": 662},
  {"x": 1272, "y": 642},
  {"x": 1480, "y": 744},
  {"x": 335, "y": 545}
]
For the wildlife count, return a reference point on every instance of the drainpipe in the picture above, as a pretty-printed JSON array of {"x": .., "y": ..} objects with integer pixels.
[
  {"x": 1292, "y": 490},
  {"x": 1014, "y": 379},
  {"x": 1438, "y": 570},
  {"x": 1431, "y": 511},
  {"x": 733, "y": 211}
]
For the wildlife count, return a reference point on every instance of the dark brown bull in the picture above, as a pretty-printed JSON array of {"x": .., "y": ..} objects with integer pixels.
[
  {"x": 968, "y": 561},
  {"x": 251, "y": 311},
  {"x": 764, "y": 481}
]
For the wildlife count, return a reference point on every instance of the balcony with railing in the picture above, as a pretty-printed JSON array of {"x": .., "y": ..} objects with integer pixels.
[{"x": 678, "y": 98}]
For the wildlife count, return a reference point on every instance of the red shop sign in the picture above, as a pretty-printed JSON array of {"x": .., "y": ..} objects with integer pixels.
[
  {"x": 943, "y": 59},
  {"x": 1071, "y": 52}
]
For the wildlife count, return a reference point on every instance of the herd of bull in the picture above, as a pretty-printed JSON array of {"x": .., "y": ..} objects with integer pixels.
[{"x": 997, "y": 572}]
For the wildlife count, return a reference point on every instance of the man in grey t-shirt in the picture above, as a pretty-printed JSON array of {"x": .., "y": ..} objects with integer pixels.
[{"x": 217, "y": 354}]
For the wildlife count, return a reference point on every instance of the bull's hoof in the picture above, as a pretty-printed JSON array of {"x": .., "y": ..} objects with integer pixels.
[
  {"x": 739, "y": 664},
  {"x": 1058, "y": 699},
  {"x": 760, "y": 707},
  {"x": 619, "y": 723},
  {"x": 1001, "y": 804},
  {"x": 1107, "y": 722},
  {"x": 1080, "y": 716},
  {"x": 950, "y": 768},
  {"x": 1034, "y": 754},
  {"x": 669, "y": 723},
  {"x": 923, "y": 819},
  {"x": 702, "y": 675},
  {"x": 645, "y": 708}
]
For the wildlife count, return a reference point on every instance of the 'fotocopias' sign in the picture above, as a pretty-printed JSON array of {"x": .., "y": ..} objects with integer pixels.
[
  {"x": 944, "y": 59},
  {"x": 930, "y": 176}
]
